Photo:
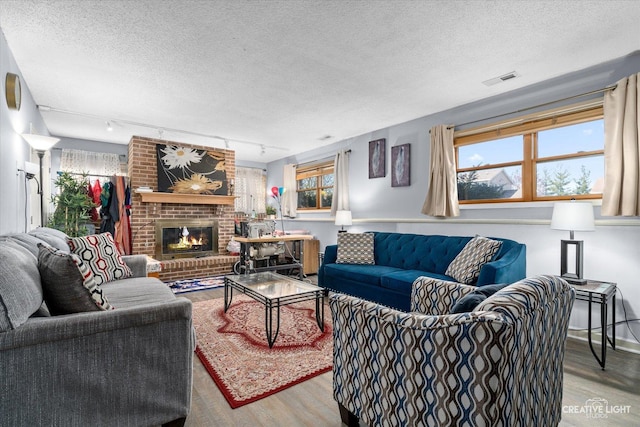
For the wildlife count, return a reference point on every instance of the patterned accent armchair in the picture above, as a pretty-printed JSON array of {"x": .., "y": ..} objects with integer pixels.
[{"x": 501, "y": 365}]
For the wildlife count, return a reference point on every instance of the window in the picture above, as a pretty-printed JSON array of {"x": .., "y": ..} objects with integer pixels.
[
  {"x": 250, "y": 190},
  {"x": 91, "y": 163},
  {"x": 554, "y": 156},
  {"x": 315, "y": 186}
]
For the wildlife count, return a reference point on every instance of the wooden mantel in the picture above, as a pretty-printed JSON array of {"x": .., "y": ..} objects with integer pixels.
[{"x": 194, "y": 199}]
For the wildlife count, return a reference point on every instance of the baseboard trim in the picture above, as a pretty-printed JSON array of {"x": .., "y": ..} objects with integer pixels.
[{"x": 623, "y": 345}]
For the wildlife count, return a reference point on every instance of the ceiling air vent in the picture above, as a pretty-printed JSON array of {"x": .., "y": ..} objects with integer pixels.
[{"x": 502, "y": 78}]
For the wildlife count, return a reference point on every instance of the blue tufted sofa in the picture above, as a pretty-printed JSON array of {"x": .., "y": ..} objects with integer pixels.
[{"x": 401, "y": 258}]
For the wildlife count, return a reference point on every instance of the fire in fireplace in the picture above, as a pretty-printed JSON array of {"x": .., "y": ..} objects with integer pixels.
[{"x": 186, "y": 238}]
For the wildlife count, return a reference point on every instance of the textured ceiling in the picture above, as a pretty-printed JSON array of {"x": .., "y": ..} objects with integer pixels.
[{"x": 288, "y": 73}]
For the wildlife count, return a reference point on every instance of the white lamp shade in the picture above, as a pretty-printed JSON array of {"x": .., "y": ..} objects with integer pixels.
[
  {"x": 343, "y": 217},
  {"x": 573, "y": 216},
  {"x": 40, "y": 142}
]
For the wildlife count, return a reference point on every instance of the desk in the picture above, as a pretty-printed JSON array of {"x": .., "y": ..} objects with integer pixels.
[
  {"x": 296, "y": 239},
  {"x": 309, "y": 256},
  {"x": 600, "y": 293}
]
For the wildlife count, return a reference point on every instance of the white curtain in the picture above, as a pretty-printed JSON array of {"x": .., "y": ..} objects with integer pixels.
[
  {"x": 91, "y": 163},
  {"x": 442, "y": 196},
  {"x": 340, "y": 200},
  {"x": 250, "y": 188},
  {"x": 290, "y": 197},
  {"x": 621, "y": 195}
]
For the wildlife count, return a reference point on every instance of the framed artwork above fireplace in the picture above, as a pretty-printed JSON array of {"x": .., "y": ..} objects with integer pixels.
[{"x": 191, "y": 171}]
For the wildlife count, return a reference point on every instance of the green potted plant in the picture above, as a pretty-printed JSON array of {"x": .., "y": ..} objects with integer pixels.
[
  {"x": 72, "y": 205},
  {"x": 271, "y": 212}
]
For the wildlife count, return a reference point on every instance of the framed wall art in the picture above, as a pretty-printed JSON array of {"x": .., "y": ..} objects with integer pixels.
[
  {"x": 191, "y": 171},
  {"x": 377, "y": 158},
  {"x": 401, "y": 165}
]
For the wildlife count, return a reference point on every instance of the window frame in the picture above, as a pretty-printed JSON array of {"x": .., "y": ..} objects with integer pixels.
[
  {"x": 528, "y": 127},
  {"x": 318, "y": 170}
]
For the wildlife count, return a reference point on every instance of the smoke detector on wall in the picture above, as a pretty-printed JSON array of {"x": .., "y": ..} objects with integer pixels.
[{"x": 502, "y": 78}]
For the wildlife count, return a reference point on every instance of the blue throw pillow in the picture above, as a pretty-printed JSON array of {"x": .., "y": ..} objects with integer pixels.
[{"x": 470, "y": 301}]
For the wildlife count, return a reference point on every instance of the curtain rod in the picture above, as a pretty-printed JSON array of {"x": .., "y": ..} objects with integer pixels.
[
  {"x": 522, "y": 110},
  {"x": 593, "y": 92},
  {"x": 318, "y": 160}
]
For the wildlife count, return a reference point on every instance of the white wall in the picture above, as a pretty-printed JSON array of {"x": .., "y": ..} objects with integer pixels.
[
  {"x": 15, "y": 191},
  {"x": 611, "y": 252}
]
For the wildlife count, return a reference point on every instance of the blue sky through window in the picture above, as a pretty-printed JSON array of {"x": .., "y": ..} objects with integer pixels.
[{"x": 565, "y": 140}]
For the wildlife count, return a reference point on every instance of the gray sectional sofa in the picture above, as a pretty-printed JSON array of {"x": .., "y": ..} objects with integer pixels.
[{"x": 130, "y": 366}]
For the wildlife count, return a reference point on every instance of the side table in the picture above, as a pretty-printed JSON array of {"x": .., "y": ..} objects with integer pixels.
[
  {"x": 154, "y": 267},
  {"x": 595, "y": 291}
]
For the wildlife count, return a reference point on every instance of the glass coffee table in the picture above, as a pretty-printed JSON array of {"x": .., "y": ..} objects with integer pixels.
[{"x": 274, "y": 290}]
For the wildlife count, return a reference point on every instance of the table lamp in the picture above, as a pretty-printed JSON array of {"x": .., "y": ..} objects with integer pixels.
[
  {"x": 572, "y": 216},
  {"x": 343, "y": 218}
]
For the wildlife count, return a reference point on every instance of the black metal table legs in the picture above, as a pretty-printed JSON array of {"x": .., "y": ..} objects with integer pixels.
[{"x": 602, "y": 359}]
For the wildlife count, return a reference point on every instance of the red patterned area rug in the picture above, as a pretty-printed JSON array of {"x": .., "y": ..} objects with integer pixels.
[{"x": 233, "y": 347}]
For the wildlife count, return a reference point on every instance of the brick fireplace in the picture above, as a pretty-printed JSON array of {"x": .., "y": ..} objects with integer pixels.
[{"x": 142, "y": 169}]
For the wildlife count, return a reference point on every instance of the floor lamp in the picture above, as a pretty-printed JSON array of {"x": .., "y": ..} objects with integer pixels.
[
  {"x": 572, "y": 216},
  {"x": 41, "y": 144}
]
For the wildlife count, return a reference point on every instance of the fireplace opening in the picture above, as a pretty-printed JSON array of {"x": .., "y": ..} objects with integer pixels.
[{"x": 186, "y": 238}]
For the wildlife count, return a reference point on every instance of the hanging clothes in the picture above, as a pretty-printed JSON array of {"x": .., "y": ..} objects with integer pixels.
[
  {"x": 122, "y": 226},
  {"x": 104, "y": 196},
  {"x": 97, "y": 191},
  {"x": 110, "y": 212},
  {"x": 127, "y": 195},
  {"x": 93, "y": 212}
]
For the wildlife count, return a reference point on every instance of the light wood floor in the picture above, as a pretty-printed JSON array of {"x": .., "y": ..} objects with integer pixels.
[{"x": 311, "y": 402}]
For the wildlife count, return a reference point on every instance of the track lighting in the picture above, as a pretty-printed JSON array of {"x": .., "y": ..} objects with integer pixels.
[
  {"x": 123, "y": 124},
  {"x": 263, "y": 150}
]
